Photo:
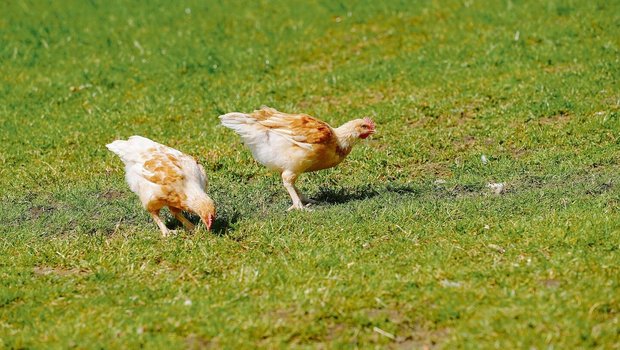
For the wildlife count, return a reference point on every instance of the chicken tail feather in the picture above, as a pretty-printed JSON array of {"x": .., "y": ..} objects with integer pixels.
[
  {"x": 243, "y": 124},
  {"x": 229, "y": 120},
  {"x": 119, "y": 147},
  {"x": 129, "y": 150}
]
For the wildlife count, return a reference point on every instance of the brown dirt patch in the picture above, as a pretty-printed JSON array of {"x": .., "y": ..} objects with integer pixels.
[
  {"x": 194, "y": 341},
  {"x": 112, "y": 194},
  {"x": 556, "y": 120},
  {"x": 335, "y": 331},
  {"x": 390, "y": 315},
  {"x": 38, "y": 210},
  {"x": 58, "y": 271},
  {"x": 550, "y": 283},
  {"x": 421, "y": 338}
]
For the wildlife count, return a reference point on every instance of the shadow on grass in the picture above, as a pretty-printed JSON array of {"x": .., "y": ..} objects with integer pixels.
[
  {"x": 403, "y": 189},
  {"x": 224, "y": 222},
  {"x": 345, "y": 195},
  {"x": 221, "y": 224}
]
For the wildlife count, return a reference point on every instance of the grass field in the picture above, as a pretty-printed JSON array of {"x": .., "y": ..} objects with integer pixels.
[{"x": 409, "y": 248}]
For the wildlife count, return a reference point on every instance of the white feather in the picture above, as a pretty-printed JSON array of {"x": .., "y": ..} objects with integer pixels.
[{"x": 262, "y": 141}]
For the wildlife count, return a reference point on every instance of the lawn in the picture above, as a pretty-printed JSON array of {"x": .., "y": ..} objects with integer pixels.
[{"x": 409, "y": 248}]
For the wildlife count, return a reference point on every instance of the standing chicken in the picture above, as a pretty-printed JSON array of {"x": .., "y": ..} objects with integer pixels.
[
  {"x": 296, "y": 143},
  {"x": 162, "y": 176}
]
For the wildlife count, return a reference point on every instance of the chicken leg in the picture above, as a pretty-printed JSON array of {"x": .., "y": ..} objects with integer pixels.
[
  {"x": 157, "y": 219},
  {"x": 288, "y": 179},
  {"x": 179, "y": 215}
]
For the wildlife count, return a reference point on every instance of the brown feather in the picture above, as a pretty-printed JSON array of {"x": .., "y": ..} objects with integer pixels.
[
  {"x": 302, "y": 127},
  {"x": 165, "y": 168}
]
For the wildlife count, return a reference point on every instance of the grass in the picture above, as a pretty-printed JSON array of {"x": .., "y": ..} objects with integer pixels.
[{"x": 409, "y": 248}]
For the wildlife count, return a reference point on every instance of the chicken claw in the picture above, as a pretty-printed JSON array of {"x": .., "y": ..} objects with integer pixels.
[{"x": 300, "y": 207}]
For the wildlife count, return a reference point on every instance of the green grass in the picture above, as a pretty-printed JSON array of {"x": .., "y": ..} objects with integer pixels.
[{"x": 393, "y": 257}]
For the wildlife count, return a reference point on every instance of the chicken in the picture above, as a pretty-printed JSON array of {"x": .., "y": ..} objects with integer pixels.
[
  {"x": 293, "y": 144},
  {"x": 162, "y": 176}
]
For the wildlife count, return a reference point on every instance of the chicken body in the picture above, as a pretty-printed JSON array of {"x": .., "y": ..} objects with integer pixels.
[
  {"x": 296, "y": 143},
  {"x": 162, "y": 176}
]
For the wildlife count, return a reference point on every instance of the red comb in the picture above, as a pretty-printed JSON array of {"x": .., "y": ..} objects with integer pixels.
[{"x": 370, "y": 122}]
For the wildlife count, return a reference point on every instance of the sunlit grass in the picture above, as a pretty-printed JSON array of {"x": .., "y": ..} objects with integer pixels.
[{"x": 409, "y": 247}]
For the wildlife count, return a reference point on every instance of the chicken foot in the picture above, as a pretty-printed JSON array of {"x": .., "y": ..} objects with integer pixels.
[
  {"x": 305, "y": 200},
  {"x": 159, "y": 222},
  {"x": 288, "y": 179}
]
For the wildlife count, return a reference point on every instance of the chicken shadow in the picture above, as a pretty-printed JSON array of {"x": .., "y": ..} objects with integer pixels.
[
  {"x": 345, "y": 195},
  {"x": 220, "y": 227},
  {"x": 225, "y": 220},
  {"x": 222, "y": 224}
]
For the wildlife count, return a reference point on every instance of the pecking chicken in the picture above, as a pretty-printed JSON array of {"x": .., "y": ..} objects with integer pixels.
[
  {"x": 296, "y": 143},
  {"x": 162, "y": 176}
]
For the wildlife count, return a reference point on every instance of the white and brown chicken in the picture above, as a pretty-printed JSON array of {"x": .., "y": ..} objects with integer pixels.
[
  {"x": 163, "y": 176},
  {"x": 292, "y": 144}
]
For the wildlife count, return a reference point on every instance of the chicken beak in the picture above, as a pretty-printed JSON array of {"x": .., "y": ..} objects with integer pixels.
[{"x": 209, "y": 221}]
